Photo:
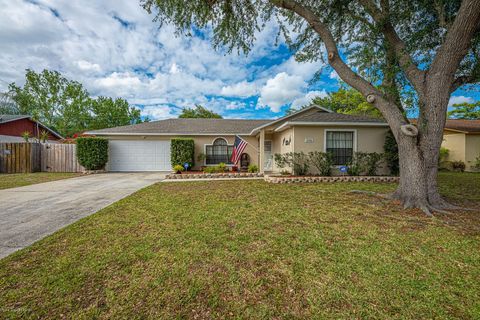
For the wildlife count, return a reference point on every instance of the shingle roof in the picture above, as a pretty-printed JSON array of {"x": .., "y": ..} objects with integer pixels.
[
  {"x": 12, "y": 117},
  {"x": 187, "y": 127},
  {"x": 470, "y": 126},
  {"x": 320, "y": 116}
]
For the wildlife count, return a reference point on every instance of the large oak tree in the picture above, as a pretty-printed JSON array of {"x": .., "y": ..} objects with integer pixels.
[{"x": 428, "y": 47}]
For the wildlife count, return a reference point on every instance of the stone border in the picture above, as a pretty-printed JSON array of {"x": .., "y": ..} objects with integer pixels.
[
  {"x": 286, "y": 179},
  {"x": 196, "y": 176}
]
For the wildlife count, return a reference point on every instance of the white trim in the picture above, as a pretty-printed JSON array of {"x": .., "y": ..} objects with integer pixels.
[
  {"x": 288, "y": 124},
  {"x": 289, "y": 116},
  {"x": 211, "y": 144},
  {"x": 15, "y": 119},
  {"x": 355, "y": 139},
  {"x": 163, "y": 134}
]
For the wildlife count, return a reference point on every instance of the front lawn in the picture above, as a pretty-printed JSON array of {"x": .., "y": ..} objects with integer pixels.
[
  {"x": 248, "y": 249},
  {"x": 24, "y": 179}
]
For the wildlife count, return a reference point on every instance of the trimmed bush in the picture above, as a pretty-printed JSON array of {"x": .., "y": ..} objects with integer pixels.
[
  {"x": 299, "y": 161},
  {"x": 252, "y": 168},
  {"x": 322, "y": 161},
  {"x": 92, "y": 152},
  {"x": 182, "y": 151}
]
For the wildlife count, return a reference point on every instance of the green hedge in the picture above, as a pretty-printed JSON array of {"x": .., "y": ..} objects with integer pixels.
[
  {"x": 92, "y": 153},
  {"x": 182, "y": 150}
]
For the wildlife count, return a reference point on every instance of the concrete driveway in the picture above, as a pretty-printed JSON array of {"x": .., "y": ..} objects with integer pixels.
[{"x": 28, "y": 214}]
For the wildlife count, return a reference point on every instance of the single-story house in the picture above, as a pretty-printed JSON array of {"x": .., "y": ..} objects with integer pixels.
[
  {"x": 146, "y": 146},
  {"x": 462, "y": 139},
  {"x": 13, "y": 126}
]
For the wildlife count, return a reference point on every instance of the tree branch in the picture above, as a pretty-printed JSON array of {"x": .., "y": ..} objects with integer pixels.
[
  {"x": 381, "y": 17},
  {"x": 458, "y": 40},
  {"x": 388, "y": 108},
  {"x": 462, "y": 80}
]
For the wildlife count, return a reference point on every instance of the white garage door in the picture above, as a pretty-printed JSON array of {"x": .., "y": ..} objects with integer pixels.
[{"x": 139, "y": 155}]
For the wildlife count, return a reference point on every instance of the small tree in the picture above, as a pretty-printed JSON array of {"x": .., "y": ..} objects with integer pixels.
[
  {"x": 182, "y": 151},
  {"x": 92, "y": 152}
]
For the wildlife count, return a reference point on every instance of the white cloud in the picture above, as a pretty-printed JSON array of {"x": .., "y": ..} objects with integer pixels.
[
  {"x": 459, "y": 99},
  {"x": 158, "y": 112},
  {"x": 307, "y": 99},
  {"x": 241, "y": 89},
  {"x": 235, "y": 105},
  {"x": 334, "y": 75},
  {"x": 174, "y": 68},
  {"x": 88, "y": 66},
  {"x": 280, "y": 90}
]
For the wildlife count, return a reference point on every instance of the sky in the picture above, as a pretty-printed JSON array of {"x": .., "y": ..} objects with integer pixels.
[{"x": 115, "y": 49}]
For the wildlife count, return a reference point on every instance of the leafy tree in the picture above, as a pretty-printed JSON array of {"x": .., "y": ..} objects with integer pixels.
[
  {"x": 199, "y": 112},
  {"x": 465, "y": 110},
  {"x": 65, "y": 106},
  {"x": 345, "y": 100},
  {"x": 50, "y": 98},
  {"x": 7, "y": 105},
  {"x": 388, "y": 48},
  {"x": 112, "y": 113}
]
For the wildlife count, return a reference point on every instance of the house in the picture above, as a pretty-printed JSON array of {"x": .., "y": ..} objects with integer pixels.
[
  {"x": 13, "y": 126},
  {"x": 462, "y": 139},
  {"x": 146, "y": 146}
]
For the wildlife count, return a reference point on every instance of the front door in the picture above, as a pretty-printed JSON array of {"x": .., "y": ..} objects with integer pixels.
[{"x": 267, "y": 151}]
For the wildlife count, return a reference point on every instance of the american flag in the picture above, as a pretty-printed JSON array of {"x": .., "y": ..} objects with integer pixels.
[{"x": 238, "y": 148}]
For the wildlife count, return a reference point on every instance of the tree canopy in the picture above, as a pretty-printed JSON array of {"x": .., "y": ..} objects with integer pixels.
[
  {"x": 65, "y": 106},
  {"x": 199, "y": 112},
  {"x": 345, "y": 100},
  {"x": 470, "y": 111}
]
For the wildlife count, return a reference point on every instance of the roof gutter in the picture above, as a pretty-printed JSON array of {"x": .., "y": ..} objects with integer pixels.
[
  {"x": 162, "y": 134},
  {"x": 288, "y": 124}
]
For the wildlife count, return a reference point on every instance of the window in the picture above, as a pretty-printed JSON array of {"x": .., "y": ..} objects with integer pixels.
[
  {"x": 340, "y": 145},
  {"x": 218, "y": 152}
]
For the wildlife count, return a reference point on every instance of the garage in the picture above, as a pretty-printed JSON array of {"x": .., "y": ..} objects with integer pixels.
[{"x": 139, "y": 155}]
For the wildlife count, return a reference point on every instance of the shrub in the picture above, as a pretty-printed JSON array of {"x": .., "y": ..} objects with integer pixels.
[
  {"x": 444, "y": 152},
  {"x": 297, "y": 160},
  {"x": 178, "y": 168},
  {"x": 209, "y": 169},
  {"x": 390, "y": 149},
  {"x": 221, "y": 167},
  {"x": 182, "y": 151},
  {"x": 92, "y": 153},
  {"x": 358, "y": 164},
  {"x": 281, "y": 160},
  {"x": 458, "y": 165},
  {"x": 372, "y": 162},
  {"x": 285, "y": 173},
  {"x": 252, "y": 168},
  {"x": 322, "y": 161},
  {"x": 476, "y": 164}
]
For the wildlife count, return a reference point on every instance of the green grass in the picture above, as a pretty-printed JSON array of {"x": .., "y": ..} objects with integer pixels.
[
  {"x": 24, "y": 179},
  {"x": 252, "y": 250}
]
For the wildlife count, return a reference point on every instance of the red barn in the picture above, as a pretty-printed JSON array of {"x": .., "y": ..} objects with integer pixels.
[{"x": 12, "y": 127}]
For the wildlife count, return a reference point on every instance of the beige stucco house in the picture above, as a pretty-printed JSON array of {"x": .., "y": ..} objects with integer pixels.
[
  {"x": 462, "y": 139},
  {"x": 146, "y": 146}
]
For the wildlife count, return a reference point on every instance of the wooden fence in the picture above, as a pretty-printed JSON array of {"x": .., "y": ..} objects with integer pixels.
[{"x": 33, "y": 157}]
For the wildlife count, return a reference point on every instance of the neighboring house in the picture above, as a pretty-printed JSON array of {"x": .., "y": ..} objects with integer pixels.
[
  {"x": 13, "y": 126},
  {"x": 462, "y": 139},
  {"x": 146, "y": 146}
]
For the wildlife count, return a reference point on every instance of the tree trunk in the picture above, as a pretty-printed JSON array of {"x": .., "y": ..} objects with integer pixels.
[{"x": 412, "y": 189}]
